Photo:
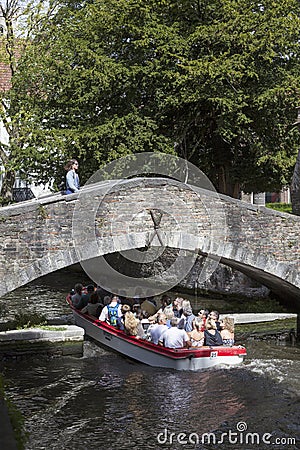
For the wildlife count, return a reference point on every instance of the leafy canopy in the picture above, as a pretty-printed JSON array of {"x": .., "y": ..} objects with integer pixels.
[{"x": 218, "y": 81}]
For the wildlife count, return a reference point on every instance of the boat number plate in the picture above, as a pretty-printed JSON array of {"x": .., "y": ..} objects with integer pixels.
[{"x": 213, "y": 355}]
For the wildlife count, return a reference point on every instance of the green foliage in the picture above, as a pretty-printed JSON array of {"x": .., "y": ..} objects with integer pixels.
[
  {"x": 26, "y": 320},
  {"x": 283, "y": 207},
  {"x": 247, "y": 305},
  {"x": 259, "y": 306},
  {"x": 216, "y": 80},
  {"x": 273, "y": 327},
  {"x": 18, "y": 424},
  {"x": 42, "y": 212},
  {"x": 51, "y": 328}
]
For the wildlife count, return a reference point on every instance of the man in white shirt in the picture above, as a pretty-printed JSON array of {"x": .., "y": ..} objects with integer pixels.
[
  {"x": 174, "y": 337},
  {"x": 111, "y": 312},
  {"x": 157, "y": 329}
]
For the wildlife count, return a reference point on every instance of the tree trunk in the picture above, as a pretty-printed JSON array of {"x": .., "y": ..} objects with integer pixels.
[
  {"x": 7, "y": 187},
  {"x": 295, "y": 187},
  {"x": 225, "y": 185}
]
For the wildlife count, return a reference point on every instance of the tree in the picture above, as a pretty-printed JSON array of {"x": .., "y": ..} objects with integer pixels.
[
  {"x": 236, "y": 99},
  {"x": 21, "y": 20},
  {"x": 87, "y": 103},
  {"x": 217, "y": 80}
]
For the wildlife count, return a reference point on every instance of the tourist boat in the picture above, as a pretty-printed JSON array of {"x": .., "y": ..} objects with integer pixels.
[{"x": 156, "y": 355}]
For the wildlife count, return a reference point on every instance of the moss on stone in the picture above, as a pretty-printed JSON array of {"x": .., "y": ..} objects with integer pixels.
[{"x": 16, "y": 418}]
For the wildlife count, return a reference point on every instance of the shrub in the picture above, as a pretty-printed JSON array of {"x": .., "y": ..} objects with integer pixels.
[{"x": 26, "y": 320}]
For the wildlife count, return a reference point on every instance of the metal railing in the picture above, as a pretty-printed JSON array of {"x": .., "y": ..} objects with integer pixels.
[{"x": 22, "y": 194}]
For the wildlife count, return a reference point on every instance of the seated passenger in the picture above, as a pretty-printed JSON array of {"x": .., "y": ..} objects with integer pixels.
[
  {"x": 86, "y": 297},
  {"x": 120, "y": 320},
  {"x": 102, "y": 293},
  {"x": 169, "y": 313},
  {"x": 203, "y": 313},
  {"x": 164, "y": 302},
  {"x": 186, "y": 304},
  {"x": 149, "y": 307},
  {"x": 136, "y": 309},
  {"x": 212, "y": 336},
  {"x": 150, "y": 297},
  {"x": 144, "y": 319},
  {"x": 111, "y": 312},
  {"x": 93, "y": 308},
  {"x": 132, "y": 325},
  {"x": 215, "y": 316},
  {"x": 197, "y": 336},
  {"x": 174, "y": 337},
  {"x": 157, "y": 329},
  {"x": 77, "y": 297},
  {"x": 227, "y": 331},
  {"x": 106, "y": 300},
  {"x": 177, "y": 307},
  {"x": 186, "y": 320}
]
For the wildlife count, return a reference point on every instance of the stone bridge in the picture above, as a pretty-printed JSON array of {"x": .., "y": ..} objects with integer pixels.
[{"x": 43, "y": 235}]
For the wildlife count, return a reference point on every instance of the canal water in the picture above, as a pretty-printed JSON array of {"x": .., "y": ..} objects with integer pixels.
[{"x": 104, "y": 401}]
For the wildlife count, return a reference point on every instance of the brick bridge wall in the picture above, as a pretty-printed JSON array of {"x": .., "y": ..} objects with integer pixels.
[{"x": 42, "y": 236}]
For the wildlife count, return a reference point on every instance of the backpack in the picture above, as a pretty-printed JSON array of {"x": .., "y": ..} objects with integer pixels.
[{"x": 113, "y": 314}]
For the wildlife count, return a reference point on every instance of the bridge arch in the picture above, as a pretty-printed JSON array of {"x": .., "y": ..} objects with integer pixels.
[{"x": 37, "y": 236}]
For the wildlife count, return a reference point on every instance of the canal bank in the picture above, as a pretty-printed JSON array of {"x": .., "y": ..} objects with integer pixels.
[
  {"x": 53, "y": 341},
  {"x": 7, "y": 434},
  {"x": 66, "y": 340}
]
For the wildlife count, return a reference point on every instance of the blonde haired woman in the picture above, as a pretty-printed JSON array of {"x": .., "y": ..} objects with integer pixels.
[
  {"x": 197, "y": 336},
  {"x": 186, "y": 304},
  {"x": 132, "y": 325},
  {"x": 227, "y": 331},
  {"x": 169, "y": 313}
]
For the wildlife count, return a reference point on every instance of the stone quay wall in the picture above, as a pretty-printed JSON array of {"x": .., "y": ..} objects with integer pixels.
[{"x": 65, "y": 340}]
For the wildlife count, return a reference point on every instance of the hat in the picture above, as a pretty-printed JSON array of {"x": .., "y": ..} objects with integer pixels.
[{"x": 125, "y": 308}]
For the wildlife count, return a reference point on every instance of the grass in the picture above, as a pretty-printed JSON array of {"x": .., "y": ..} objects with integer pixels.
[
  {"x": 50, "y": 328},
  {"x": 282, "y": 207},
  {"x": 230, "y": 304},
  {"x": 273, "y": 327}
]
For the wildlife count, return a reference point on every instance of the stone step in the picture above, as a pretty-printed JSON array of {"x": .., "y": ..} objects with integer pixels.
[{"x": 258, "y": 317}]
